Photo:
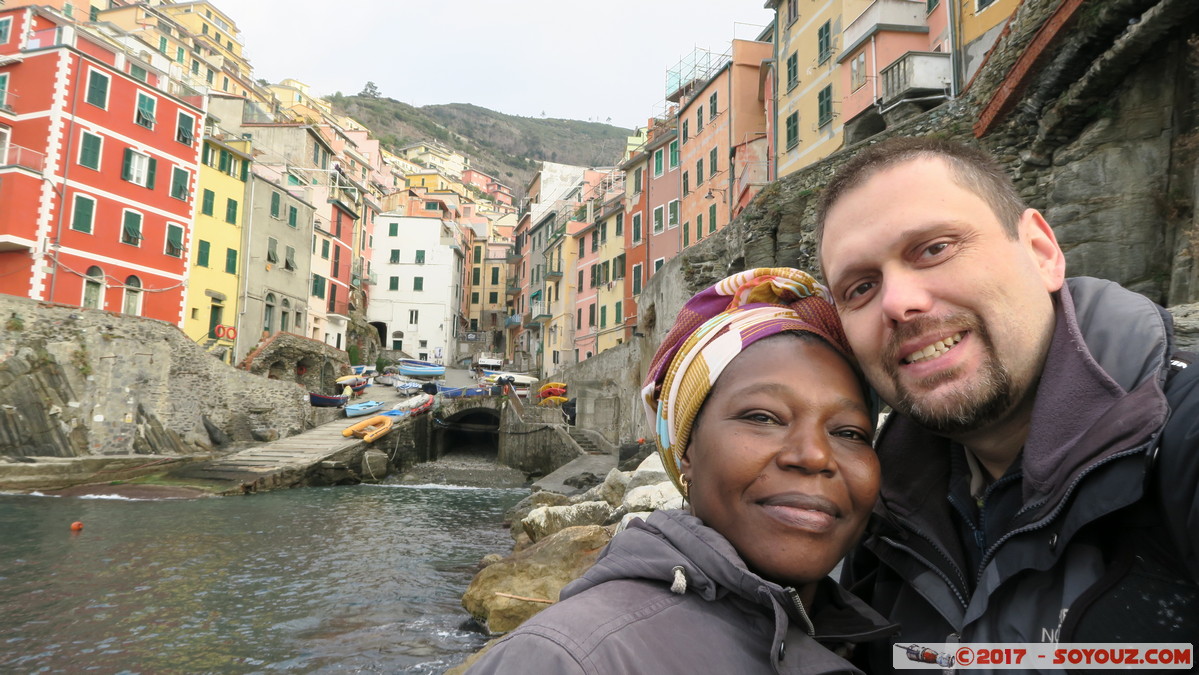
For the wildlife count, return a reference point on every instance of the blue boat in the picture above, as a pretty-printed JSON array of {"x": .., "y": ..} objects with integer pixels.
[
  {"x": 460, "y": 392},
  {"x": 414, "y": 368},
  {"x": 322, "y": 401},
  {"x": 364, "y": 408}
]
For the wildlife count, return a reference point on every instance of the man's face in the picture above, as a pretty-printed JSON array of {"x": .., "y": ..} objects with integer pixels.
[{"x": 950, "y": 318}]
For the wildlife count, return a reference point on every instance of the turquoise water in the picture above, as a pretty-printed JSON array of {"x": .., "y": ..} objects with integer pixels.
[{"x": 344, "y": 579}]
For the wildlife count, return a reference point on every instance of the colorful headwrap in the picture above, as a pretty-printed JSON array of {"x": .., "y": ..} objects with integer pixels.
[{"x": 715, "y": 326}]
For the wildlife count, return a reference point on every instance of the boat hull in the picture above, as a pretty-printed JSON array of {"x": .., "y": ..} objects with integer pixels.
[
  {"x": 364, "y": 408},
  {"x": 322, "y": 401},
  {"x": 369, "y": 429}
]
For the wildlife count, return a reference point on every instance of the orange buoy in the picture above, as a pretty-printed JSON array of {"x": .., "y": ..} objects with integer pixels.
[
  {"x": 640, "y": 440},
  {"x": 76, "y": 526}
]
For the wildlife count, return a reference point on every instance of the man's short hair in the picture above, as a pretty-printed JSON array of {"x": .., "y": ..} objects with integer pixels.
[{"x": 971, "y": 168}]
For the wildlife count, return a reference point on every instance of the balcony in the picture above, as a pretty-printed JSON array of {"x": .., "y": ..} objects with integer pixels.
[
  {"x": 512, "y": 320},
  {"x": 513, "y": 257},
  {"x": 24, "y": 158},
  {"x": 884, "y": 15},
  {"x": 916, "y": 73},
  {"x": 512, "y": 287},
  {"x": 553, "y": 272},
  {"x": 540, "y": 311}
]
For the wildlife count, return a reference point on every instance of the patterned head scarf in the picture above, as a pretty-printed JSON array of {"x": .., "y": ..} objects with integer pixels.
[{"x": 714, "y": 327}]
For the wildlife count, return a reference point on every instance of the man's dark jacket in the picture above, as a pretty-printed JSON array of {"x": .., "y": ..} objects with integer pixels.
[{"x": 1104, "y": 548}]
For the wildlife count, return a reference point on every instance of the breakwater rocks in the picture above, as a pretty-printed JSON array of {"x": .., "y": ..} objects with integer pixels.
[
  {"x": 556, "y": 539},
  {"x": 85, "y": 383}
]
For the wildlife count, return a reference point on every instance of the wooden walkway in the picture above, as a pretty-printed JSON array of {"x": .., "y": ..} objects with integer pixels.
[{"x": 278, "y": 464}]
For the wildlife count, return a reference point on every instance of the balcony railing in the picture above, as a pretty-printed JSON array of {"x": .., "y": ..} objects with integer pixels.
[
  {"x": 15, "y": 155},
  {"x": 916, "y": 72},
  {"x": 512, "y": 287},
  {"x": 886, "y": 14},
  {"x": 512, "y": 320},
  {"x": 553, "y": 272}
]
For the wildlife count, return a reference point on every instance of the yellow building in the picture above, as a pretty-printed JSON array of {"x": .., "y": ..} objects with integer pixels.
[
  {"x": 807, "y": 38},
  {"x": 610, "y": 294},
  {"x": 981, "y": 22},
  {"x": 215, "y": 268},
  {"x": 561, "y": 261}
]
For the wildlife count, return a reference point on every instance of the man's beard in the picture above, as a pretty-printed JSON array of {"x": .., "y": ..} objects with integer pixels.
[{"x": 968, "y": 405}]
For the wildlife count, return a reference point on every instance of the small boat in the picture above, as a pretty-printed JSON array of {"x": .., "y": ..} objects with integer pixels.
[
  {"x": 517, "y": 378},
  {"x": 413, "y": 402},
  {"x": 547, "y": 392},
  {"x": 364, "y": 371},
  {"x": 553, "y": 401},
  {"x": 322, "y": 401},
  {"x": 407, "y": 386},
  {"x": 364, "y": 408},
  {"x": 385, "y": 379},
  {"x": 414, "y": 368},
  {"x": 358, "y": 387},
  {"x": 370, "y": 428},
  {"x": 460, "y": 392},
  {"x": 552, "y": 385},
  {"x": 346, "y": 379}
]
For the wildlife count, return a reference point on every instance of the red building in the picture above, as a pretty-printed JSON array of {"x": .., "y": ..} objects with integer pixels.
[{"x": 98, "y": 159}]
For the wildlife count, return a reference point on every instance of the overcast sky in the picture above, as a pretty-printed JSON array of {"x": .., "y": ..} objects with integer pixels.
[{"x": 568, "y": 59}]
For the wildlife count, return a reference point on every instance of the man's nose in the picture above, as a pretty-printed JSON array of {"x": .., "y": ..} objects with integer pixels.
[{"x": 904, "y": 297}]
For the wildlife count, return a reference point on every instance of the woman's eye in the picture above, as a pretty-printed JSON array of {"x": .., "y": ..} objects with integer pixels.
[
  {"x": 764, "y": 418},
  {"x": 852, "y": 435}
]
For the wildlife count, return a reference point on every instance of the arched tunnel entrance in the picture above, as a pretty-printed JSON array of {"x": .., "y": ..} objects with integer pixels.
[{"x": 474, "y": 432}]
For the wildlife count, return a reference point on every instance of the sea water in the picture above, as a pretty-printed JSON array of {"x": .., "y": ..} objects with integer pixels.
[{"x": 343, "y": 579}]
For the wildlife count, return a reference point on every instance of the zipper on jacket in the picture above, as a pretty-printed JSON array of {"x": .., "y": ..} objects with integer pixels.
[
  {"x": 928, "y": 563},
  {"x": 803, "y": 613},
  {"x": 990, "y": 553}
]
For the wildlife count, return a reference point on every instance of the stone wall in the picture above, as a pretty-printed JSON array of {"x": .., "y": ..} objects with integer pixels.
[
  {"x": 77, "y": 382},
  {"x": 536, "y": 443}
]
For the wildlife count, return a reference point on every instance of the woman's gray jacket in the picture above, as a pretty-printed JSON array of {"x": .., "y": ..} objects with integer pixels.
[{"x": 623, "y": 616}]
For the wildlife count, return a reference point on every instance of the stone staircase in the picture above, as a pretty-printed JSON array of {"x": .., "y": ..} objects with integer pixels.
[{"x": 585, "y": 442}]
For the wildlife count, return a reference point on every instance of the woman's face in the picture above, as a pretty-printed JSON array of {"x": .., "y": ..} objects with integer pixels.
[{"x": 780, "y": 459}]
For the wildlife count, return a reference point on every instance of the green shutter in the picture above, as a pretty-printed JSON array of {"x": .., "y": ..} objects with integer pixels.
[
  {"x": 274, "y": 204},
  {"x": 127, "y": 165},
  {"x": 418, "y": 283},
  {"x": 84, "y": 211},
  {"x": 97, "y": 89},
  {"x": 223, "y": 164},
  {"x": 90, "y": 154},
  {"x": 179, "y": 183},
  {"x": 132, "y": 233},
  {"x": 231, "y": 260},
  {"x": 393, "y": 229},
  {"x": 616, "y": 317},
  {"x": 231, "y": 211},
  {"x": 174, "y": 241},
  {"x": 245, "y": 170},
  {"x": 202, "y": 254},
  {"x": 205, "y": 154},
  {"x": 711, "y": 218},
  {"x": 151, "y": 169},
  {"x": 292, "y": 216},
  {"x": 209, "y": 200}
]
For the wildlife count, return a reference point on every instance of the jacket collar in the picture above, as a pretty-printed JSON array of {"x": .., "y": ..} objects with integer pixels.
[{"x": 714, "y": 569}]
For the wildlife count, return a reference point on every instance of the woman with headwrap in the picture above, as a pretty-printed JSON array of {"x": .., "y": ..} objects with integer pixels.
[{"x": 764, "y": 426}]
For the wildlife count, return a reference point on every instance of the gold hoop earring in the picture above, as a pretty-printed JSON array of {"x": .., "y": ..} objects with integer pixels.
[{"x": 685, "y": 486}]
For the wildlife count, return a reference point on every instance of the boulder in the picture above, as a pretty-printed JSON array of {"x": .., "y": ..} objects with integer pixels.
[
  {"x": 583, "y": 481},
  {"x": 632, "y": 454},
  {"x": 546, "y": 520},
  {"x": 652, "y": 498},
  {"x": 374, "y": 466},
  {"x": 522, "y": 508},
  {"x": 615, "y": 484},
  {"x": 1186, "y": 326},
  {"x": 535, "y": 574},
  {"x": 649, "y": 472}
]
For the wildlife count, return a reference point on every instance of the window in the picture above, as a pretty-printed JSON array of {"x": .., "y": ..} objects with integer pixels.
[
  {"x": 393, "y": 284},
  {"x": 318, "y": 286},
  {"x": 637, "y": 181},
  {"x": 686, "y": 134},
  {"x": 637, "y": 279},
  {"x": 133, "y": 296},
  {"x": 179, "y": 53},
  {"x": 824, "y": 102},
  {"x": 580, "y": 285},
  {"x": 4, "y": 105},
  {"x": 139, "y": 169},
  {"x": 231, "y": 261},
  {"x": 983, "y": 4},
  {"x": 686, "y": 183},
  {"x": 275, "y": 203},
  {"x": 616, "y": 316},
  {"x": 180, "y": 183},
  {"x": 792, "y": 11},
  {"x": 658, "y": 264},
  {"x": 658, "y": 220},
  {"x": 475, "y": 276},
  {"x": 672, "y": 213},
  {"x": 174, "y": 247},
  {"x": 478, "y": 254},
  {"x": 591, "y": 315},
  {"x": 418, "y": 283},
  {"x": 579, "y": 319},
  {"x": 792, "y": 130},
  {"x": 97, "y": 89},
  {"x": 604, "y": 316},
  {"x": 495, "y": 275},
  {"x": 712, "y": 107},
  {"x": 712, "y": 161},
  {"x": 594, "y": 241},
  {"x": 293, "y": 216},
  {"x": 618, "y": 267},
  {"x": 824, "y": 44},
  {"x": 202, "y": 253},
  {"x": 183, "y": 129},
  {"x": 162, "y": 45},
  {"x": 636, "y": 227},
  {"x": 231, "y": 211},
  {"x": 325, "y": 249},
  {"x": 144, "y": 115},
  {"x": 674, "y": 154},
  {"x": 395, "y": 256},
  {"x": 268, "y": 312},
  {"x": 289, "y": 259},
  {"x": 83, "y": 214},
  {"x": 393, "y": 229},
  {"x": 711, "y": 218},
  {"x": 5, "y": 29},
  {"x": 493, "y": 297},
  {"x": 699, "y": 226},
  {"x": 420, "y": 257},
  {"x": 699, "y": 171},
  {"x": 857, "y": 72},
  {"x": 792, "y": 71},
  {"x": 89, "y": 150},
  {"x": 207, "y": 202},
  {"x": 659, "y": 162},
  {"x": 699, "y": 119},
  {"x": 413, "y": 316},
  {"x": 131, "y": 229},
  {"x": 272, "y": 250},
  {"x": 686, "y": 234}
]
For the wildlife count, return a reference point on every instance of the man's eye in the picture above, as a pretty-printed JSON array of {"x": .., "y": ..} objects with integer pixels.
[
  {"x": 936, "y": 249},
  {"x": 861, "y": 289}
]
